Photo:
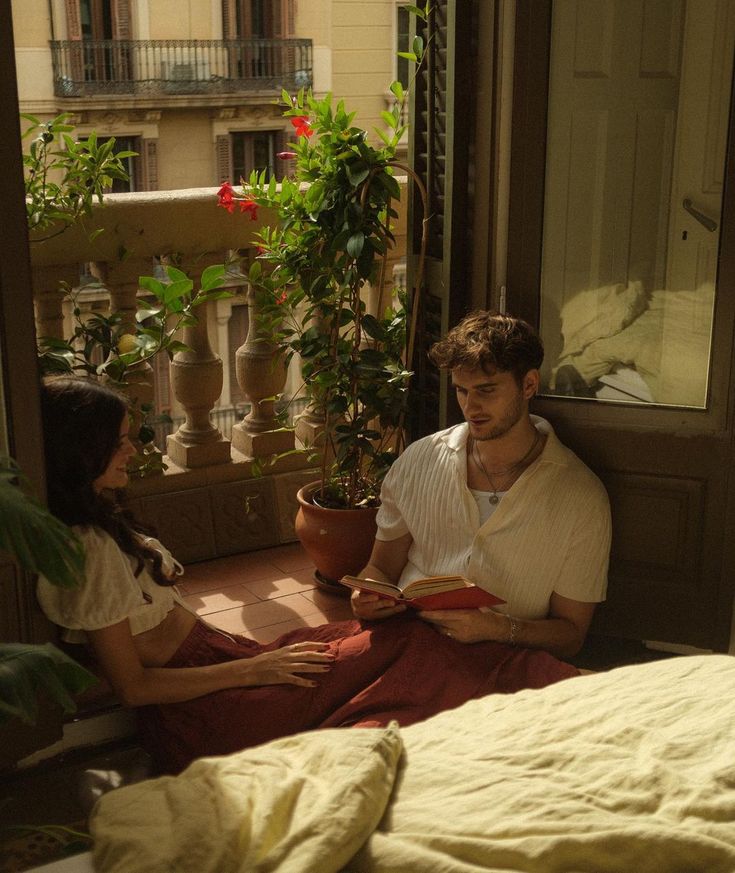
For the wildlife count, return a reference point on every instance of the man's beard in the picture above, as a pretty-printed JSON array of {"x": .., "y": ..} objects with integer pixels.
[{"x": 511, "y": 418}]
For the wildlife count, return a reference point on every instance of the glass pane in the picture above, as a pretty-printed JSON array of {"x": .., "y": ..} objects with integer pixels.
[{"x": 639, "y": 97}]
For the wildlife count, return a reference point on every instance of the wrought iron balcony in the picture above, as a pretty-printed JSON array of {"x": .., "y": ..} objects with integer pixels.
[{"x": 172, "y": 66}]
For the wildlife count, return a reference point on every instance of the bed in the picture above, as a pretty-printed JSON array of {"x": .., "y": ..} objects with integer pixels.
[
  {"x": 629, "y": 770},
  {"x": 629, "y": 345}
]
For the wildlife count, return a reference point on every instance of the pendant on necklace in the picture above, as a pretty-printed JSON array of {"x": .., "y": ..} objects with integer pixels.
[{"x": 494, "y": 499}]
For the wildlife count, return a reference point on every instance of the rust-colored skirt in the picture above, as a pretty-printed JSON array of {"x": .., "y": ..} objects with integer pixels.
[{"x": 400, "y": 669}]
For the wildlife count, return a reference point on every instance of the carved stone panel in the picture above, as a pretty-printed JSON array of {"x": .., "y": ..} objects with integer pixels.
[
  {"x": 287, "y": 484},
  {"x": 244, "y": 516},
  {"x": 183, "y": 523}
]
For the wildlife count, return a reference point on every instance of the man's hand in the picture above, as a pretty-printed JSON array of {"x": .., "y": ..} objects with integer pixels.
[
  {"x": 372, "y": 607},
  {"x": 469, "y": 625}
]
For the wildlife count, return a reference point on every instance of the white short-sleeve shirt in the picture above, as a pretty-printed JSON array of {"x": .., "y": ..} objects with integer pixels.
[
  {"x": 110, "y": 591},
  {"x": 550, "y": 532}
]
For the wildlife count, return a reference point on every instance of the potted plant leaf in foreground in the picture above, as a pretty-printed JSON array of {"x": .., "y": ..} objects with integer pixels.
[{"x": 311, "y": 277}]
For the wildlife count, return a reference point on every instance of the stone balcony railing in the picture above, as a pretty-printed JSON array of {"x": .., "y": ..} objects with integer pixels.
[{"x": 209, "y": 501}]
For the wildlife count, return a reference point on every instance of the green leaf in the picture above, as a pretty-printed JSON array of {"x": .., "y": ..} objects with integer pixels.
[
  {"x": 148, "y": 283},
  {"x": 397, "y": 91},
  {"x": 28, "y": 670},
  {"x": 177, "y": 289},
  {"x": 357, "y": 172},
  {"x": 417, "y": 46},
  {"x": 35, "y": 538},
  {"x": 389, "y": 119},
  {"x": 417, "y": 11},
  {"x": 213, "y": 277},
  {"x": 355, "y": 244},
  {"x": 409, "y": 56}
]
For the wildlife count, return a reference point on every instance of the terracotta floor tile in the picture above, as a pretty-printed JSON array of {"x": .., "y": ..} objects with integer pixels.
[
  {"x": 217, "y": 601},
  {"x": 217, "y": 574},
  {"x": 289, "y": 558},
  {"x": 300, "y": 581},
  {"x": 263, "y": 613},
  {"x": 326, "y": 600}
]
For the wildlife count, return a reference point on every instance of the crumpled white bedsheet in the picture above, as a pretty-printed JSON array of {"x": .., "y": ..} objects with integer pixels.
[{"x": 630, "y": 770}]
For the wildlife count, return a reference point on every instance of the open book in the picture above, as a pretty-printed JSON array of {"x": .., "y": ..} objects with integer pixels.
[{"x": 434, "y": 592}]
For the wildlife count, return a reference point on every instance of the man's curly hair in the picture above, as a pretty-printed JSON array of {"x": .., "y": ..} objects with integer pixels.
[{"x": 490, "y": 341}]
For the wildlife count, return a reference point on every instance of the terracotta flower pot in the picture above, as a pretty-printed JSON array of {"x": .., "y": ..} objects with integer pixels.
[{"x": 338, "y": 541}]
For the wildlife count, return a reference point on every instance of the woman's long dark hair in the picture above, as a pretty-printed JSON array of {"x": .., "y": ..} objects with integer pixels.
[{"x": 81, "y": 431}]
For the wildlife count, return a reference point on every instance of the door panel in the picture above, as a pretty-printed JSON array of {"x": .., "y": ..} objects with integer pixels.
[{"x": 612, "y": 174}]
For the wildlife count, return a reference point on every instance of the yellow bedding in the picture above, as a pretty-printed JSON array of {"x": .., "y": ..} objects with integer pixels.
[{"x": 631, "y": 770}]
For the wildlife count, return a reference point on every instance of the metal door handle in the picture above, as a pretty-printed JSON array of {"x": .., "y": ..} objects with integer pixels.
[{"x": 703, "y": 219}]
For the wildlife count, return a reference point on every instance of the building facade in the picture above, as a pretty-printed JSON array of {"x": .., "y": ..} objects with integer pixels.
[{"x": 191, "y": 85}]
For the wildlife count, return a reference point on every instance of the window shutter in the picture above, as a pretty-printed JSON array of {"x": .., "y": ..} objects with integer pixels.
[
  {"x": 229, "y": 20},
  {"x": 146, "y": 173},
  {"x": 439, "y": 147},
  {"x": 121, "y": 25},
  {"x": 223, "y": 157},
  {"x": 73, "y": 21}
]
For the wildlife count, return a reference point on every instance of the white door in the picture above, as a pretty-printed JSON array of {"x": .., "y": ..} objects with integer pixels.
[{"x": 638, "y": 105}]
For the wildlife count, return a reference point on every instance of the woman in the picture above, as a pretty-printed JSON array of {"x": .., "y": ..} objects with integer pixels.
[{"x": 201, "y": 691}]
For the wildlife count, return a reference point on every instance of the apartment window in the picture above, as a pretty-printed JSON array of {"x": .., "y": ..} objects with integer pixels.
[
  {"x": 132, "y": 164},
  {"x": 255, "y": 150}
]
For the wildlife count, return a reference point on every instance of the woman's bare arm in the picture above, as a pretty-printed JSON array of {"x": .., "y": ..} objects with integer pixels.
[{"x": 138, "y": 685}]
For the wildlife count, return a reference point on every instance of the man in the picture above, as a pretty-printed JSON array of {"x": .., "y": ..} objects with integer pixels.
[{"x": 497, "y": 499}]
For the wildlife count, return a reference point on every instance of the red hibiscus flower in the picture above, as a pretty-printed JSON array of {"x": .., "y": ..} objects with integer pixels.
[
  {"x": 251, "y": 207},
  {"x": 303, "y": 128},
  {"x": 225, "y": 198}
]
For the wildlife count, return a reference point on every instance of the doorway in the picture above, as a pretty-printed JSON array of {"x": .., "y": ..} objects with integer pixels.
[{"x": 622, "y": 251}]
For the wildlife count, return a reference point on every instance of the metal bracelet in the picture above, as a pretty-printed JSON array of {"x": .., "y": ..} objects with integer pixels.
[{"x": 513, "y": 628}]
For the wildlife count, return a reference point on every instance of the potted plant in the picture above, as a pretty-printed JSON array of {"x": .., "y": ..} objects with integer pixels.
[
  {"x": 37, "y": 682},
  {"x": 64, "y": 178},
  {"x": 310, "y": 276}
]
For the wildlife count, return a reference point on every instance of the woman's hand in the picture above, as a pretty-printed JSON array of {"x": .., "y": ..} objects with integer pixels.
[
  {"x": 281, "y": 666},
  {"x": 368, "y": 606}
]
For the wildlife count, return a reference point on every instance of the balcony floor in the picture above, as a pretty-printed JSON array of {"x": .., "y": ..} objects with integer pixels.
[{"x": 261, "y": 594}]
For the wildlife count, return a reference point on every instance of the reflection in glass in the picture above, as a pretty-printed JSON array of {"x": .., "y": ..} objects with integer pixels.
[{"x": 638, "y": 107}]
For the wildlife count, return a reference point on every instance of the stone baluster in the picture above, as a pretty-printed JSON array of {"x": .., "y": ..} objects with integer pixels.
[
  {"x": 261, "y": 375},
  {"x": 49, "y": 297},
  {"x": 196, "y": 381},
  {"x": 236, "y": 282},
  {"x": 311, "y": 424},
  {"x": 121, "y": 280}
]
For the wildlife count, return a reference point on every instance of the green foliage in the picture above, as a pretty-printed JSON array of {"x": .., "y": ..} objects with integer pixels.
[
  {"x": 64, "y": 175},
  {"x": 333, "y": 235},
  {"x": 27, "y": 670},
  {"x": 38, "y": 541},
  {"x": 101, "y": 345}
]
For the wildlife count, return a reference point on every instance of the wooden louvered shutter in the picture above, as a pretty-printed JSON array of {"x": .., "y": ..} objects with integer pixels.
[
  {"x": 223, "y": 159},
  {"x": 148, "y": 164},
  {"x": 121, "y": 24},
  {"x": 229, "y": 20},
  {"x": 73, "y": 20},
  {"x": 439, "y": 151},
  {"x": 121, "y": 33},
  {"x": 74, "y": 34}
]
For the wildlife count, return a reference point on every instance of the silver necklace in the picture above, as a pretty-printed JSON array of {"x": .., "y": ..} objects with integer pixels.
[{"x": 494, "y": 498}]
